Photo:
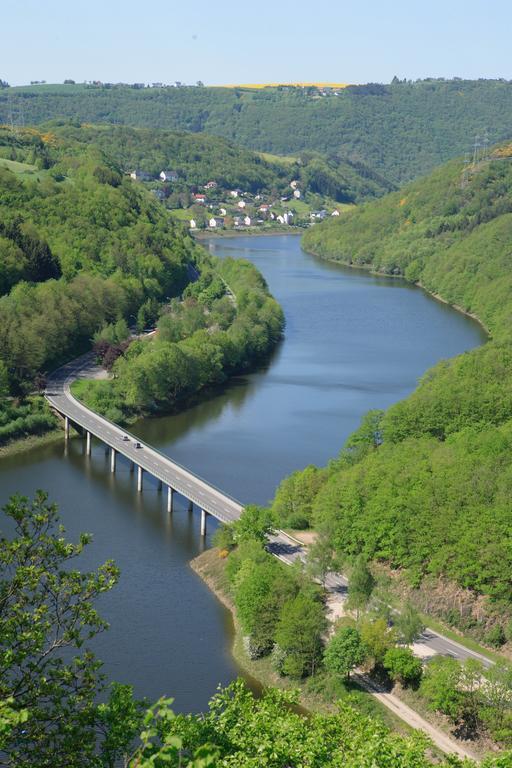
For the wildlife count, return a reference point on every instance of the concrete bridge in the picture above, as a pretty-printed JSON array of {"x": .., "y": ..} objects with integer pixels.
[{"x": 144, "y": 459}]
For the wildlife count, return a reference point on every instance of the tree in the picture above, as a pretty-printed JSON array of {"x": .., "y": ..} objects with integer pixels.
[
  {"x": 345, "y": 652},
  {"x": 299, "y": 633},
  {"x": 376, "y": 636},
  {"x": 403, "y": 666},
  {"x": 254, "y": 523},
  {"x": 440, "y": 686},
  {"x": 409, "y": 623},
  {"x": 320, "y": 557},
  {"x": 47, "y": 614},
  {"x": 361, "y": 585}
]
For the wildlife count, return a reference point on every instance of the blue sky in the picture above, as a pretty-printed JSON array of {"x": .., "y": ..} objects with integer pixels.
[{"x": 239, "y": 42}]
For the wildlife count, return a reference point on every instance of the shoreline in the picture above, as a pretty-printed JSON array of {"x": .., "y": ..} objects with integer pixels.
[
  {"x": 30, "y": 442},
  {"x": 228, "y": 233}
]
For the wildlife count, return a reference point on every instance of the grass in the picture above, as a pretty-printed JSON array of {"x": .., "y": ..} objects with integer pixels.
[
  {"x": 21, "y": 169},
  {"x": 23, "y": 444},
  {"x": 316, "y": 694}
]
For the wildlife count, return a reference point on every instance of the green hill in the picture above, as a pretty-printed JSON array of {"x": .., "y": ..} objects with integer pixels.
[
  {"x": 425, "y": 487},
  {"x": 400, "y": 130}
]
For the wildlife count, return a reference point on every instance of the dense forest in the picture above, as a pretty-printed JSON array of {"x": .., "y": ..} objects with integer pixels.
[
  {"x": 425, "y": 487},
  {"x": 401, "y": 130},
  {"x": 225, "y": 323},
  {"x": 84, "y": 249}
]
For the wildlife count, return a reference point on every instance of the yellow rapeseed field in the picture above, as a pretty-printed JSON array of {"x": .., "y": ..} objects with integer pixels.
[{"x": 275, "y": 85}]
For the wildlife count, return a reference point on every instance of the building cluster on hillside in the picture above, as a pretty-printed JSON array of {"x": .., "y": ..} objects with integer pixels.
[{"x": 213, "y": 207}]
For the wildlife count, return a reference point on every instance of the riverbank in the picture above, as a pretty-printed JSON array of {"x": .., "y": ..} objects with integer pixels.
[
  {"x": 226, "y": 233},
  {"x": 314, "y": 697},
  {"x": 23, "y": 444}
]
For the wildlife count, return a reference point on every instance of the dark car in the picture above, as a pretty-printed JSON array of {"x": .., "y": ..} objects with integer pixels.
[
  {"x": 138, "y": 445},
  {"x": 126, "y": 439}
]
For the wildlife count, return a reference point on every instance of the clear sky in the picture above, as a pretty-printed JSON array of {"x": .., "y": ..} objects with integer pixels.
[{"x": 253, "y": 42}]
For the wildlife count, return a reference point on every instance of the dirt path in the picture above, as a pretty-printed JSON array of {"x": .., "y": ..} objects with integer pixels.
[{"x": 415, "y": 720}]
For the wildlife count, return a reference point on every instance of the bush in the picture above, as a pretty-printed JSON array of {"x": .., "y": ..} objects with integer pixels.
[{"x": 403, "y": 666}]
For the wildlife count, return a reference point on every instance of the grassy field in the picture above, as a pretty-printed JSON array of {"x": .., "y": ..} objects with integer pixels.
[{"x": 20, "y": 169}]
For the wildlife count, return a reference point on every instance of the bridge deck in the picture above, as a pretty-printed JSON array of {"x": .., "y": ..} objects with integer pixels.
[{"x": 214, "y": 501}]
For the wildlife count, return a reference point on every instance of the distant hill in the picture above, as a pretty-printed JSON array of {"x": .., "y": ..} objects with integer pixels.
[{"x": 400, "y": 130}]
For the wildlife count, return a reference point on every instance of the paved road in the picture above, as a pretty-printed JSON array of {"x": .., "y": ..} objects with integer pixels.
[
  {"x": 207, "y": 497},
  {"x": 288, "y": 550}
]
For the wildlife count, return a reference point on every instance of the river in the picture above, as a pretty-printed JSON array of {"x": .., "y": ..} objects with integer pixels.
[{"x": 352, "y": 342}]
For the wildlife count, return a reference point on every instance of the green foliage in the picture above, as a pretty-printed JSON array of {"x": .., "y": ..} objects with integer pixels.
[
  {"x": 254, "y": 523},
  {"x": 32, "y": 417},
  {"x": 345, "y": 651},
  {"x": 408, "y": 623},
  {"x": 387, "y": 127},
  {"x": 403, "y": 666},
  {"x": 361, "y": 584},
  {"x": 293, "y": 500},
  {"x": 439, "y": 686},
  {"x": 299, "y": 633},
  {"x": 49, "y": 680},
  {"x": 377, "y": 637}
]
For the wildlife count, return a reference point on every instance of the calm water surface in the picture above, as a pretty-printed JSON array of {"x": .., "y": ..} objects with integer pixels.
[{"x": 353, "y": 342}]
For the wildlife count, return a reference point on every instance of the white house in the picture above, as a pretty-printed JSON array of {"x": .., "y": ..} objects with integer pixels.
[
  {"x": 280, "y": 219},
  {"x": 294, "y": 184},
  {"x": 335, "y": 213},
  {"x": 193, "y": 224},
  {"x": 297, "y": 194},
  {"x": 288, "y": 217},
  {"x": 201, "y": 199},
  {"x": 222, "y": 211},
  {"x": 235, "y": 192},
  {"x": 238, "y": 221},
  {"x": 169, "y": 175},
  {"x": 241, "y": 203},
  {"x": 211, "y": 185},
  {"x": 215, "y": 222},
  {"x": 247, "y": 221}
]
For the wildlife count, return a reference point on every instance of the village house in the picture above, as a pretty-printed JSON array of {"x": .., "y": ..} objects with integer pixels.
[
  {"x": 318, "y": 215},
  {"x": 294, "y": 184},
  {"x": 140, "y": 175},
  {"x": 193, "y": 224},
  {"x": 215, "y": 222},
  {"x": 238, "y": 221},
  {"x": 159, "y": 194},
  {"x": 201, "y": 199},
  {"x": 335, "y": 213},
  {"x": 247, "y": 221},
  {"x": 264, "y": 208},
  {"x": 222, "y": 211},
  {"x": 169, "y": 175},
  {"x": 297, "y": 194},
  {"x": 235, "y": 192},
  {"x": 288, "y": 217},
  {"x": 211, "y": 185},
  {"x": 241, "y": 203}
]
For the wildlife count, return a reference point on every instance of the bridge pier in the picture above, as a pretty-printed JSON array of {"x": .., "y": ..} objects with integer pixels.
[
  {"x": 191, "y": 506},
  {"x": 170, "y": 499},
  {"x": 113, "y": 454},
  {"x": 66, "y": 427},
  {"x": 203, "y": 522},
  {"x": 140, "y": 481},
  {"x": 87, "y": 443},
  {"x": 132, "y": 467},
  {"x": 159, "y": 486}
]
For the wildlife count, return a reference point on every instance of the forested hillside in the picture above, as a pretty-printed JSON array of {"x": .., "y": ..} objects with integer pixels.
[
  {"x": 200, "y": 158},
  {"x": 426, "y": 486},
  {"x": 400, "y": 130}
]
